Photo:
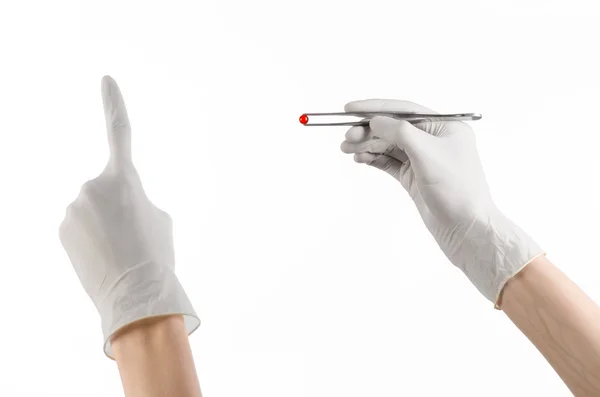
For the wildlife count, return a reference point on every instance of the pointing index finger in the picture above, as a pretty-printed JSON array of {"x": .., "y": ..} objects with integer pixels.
[{"x": 117, "y": 122}]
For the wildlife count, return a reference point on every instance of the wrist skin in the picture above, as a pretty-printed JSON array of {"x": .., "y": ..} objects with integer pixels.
[{"x": 155, "y": 359}]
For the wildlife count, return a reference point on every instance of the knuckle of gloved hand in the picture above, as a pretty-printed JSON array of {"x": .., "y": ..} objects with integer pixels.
[
  {"x": 72, "y": 208},
  {"x": 72, "y": 211},
  {"x": 87, "y": 189},
  {"x": 63, "y": 231},
  {"x": 402, "y": 127},
  {"x": 166, "y": 216}
]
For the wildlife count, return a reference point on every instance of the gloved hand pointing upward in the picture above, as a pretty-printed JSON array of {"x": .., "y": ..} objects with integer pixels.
[
  {"x": 119, "y": 243},
  {"x": 438, "y": 165}
]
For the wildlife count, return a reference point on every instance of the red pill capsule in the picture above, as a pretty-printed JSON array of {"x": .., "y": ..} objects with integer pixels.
[{"x": 303, "y": 119}]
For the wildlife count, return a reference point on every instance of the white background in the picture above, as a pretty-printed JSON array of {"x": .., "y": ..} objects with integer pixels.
[{"x": 313, "y": 275}]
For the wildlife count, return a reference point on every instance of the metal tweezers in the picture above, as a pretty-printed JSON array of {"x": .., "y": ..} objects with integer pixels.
[{"x": 366, "y": 117}]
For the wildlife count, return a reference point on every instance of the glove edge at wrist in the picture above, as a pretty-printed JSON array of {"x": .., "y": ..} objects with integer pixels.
[
  {"x": 498, "y": 299},
  {"x": 501, "y": 249},
  {"x": 147, "y": 290}
]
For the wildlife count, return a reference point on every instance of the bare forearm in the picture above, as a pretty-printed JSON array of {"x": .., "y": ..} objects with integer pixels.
[
  {"x": 155, "y": 359},
  {"x": 560, "y": 320}
]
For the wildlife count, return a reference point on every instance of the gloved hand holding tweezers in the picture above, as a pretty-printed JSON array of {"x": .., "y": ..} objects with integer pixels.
[
  {"x": 438, "y": 164},
  {"x": 119, "y": 243}
]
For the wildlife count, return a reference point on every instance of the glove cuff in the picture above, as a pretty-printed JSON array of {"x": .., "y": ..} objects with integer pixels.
[
  {"x": 146, "y": 290},
  {"x": 501, "y": 249}
]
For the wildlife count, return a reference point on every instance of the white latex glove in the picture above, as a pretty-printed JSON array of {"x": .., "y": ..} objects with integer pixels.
[
  {"x": 119, "y": 243},
  {"x": 438, "y": 164}
]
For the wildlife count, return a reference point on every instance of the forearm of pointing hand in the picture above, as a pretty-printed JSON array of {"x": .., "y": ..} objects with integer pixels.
[{"x": 155, "y": 359}]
